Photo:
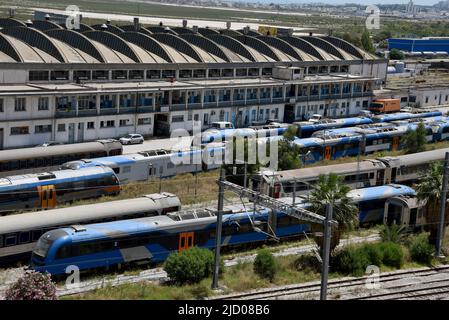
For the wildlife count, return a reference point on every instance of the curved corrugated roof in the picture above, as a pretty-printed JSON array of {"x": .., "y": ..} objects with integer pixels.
[
  {"x": 44, "y": 25},
  {"x": 47, "y": 42}
]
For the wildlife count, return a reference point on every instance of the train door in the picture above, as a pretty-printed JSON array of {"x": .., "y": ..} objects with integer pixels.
[
  {"x": 393, "y": 175},
  {"x": 394, "y": 143},
  {"x": 47, "y": 196},
  {"x": 1, "y": 139},
  {"x": 380, "y": 178},
  {"x": 327, "y": 153},
  {"x": 185, "y": 241}
]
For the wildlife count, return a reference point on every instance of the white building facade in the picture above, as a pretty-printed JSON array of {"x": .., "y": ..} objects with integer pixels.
[{"x": 81, "y": 85}]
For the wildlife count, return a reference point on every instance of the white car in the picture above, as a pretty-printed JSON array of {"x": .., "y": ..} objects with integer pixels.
[{"x": 132, "y": 138}]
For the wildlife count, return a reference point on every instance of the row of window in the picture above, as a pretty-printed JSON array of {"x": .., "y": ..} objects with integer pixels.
[
  {"x": 83, "y": 75},
  {"x": 62, "y": 126},
  {"x": 9, "y": 165}
]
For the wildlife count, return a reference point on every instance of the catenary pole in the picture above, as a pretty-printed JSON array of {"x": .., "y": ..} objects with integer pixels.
[
  {"x": 326, "y": 251},
  {"x": 218, "y": 230},
  {"x": 443, "y": 205}
]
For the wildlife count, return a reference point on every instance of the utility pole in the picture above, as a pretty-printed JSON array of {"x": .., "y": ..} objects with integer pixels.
[
  {"x": 160, "y": 182},
  {"x": 246, "y": 168},
  {"x": 327, "y": 234},
  {"x": 218, "y": 229},
  {"x": 443, "y": 205},
  {"x": 361, "y": 149},
  {"x": 294, "y": 192}
]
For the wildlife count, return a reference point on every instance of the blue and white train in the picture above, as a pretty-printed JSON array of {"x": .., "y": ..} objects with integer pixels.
[
  {"x": 152, "y": 239},
  {"x": 47, "y": 190}
]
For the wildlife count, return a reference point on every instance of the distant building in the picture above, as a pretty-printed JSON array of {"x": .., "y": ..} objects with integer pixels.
[{"x": 429, "y": 44}]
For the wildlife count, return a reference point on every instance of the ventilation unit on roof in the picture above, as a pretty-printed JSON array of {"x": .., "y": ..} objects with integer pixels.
[
  {"x": 46, "y": 176},
  {"x": 78, "y": 228}
]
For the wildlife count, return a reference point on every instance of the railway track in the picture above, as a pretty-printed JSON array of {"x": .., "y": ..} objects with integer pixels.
[{"x": 428, "y": 282}]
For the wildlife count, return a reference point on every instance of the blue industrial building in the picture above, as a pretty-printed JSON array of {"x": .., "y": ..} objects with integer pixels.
[{"x": 420, "y": 45}]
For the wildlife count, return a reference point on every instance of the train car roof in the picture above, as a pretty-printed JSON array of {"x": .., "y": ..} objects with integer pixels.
[
  {"x": 142, "y": 225},
  {"x": 311, "y": 172},
  {"x": 416, "y": 158},
  {"x": 58, "y": 150},
  {"x": 404, "y": 115},
  {"x": 34, "y": 179},
  {"x": 75, "y": 215},
  {"x": 332, "y": 123},
  {"x": 380, "y": 192}
]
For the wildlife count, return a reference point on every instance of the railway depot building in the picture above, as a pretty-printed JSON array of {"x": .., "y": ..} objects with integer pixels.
[{"x": 103, "y": 81}]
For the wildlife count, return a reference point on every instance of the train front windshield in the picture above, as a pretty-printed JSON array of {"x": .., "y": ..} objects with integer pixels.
[
  {"x": 45, "y": 242},
  {"x": 42, "y": 247}
]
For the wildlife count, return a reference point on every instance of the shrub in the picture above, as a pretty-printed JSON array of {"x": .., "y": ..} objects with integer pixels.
[
  {"x": 420, "y": 249},
  {"x": 200, "y": 291},
  {"x": 307, "y": 262},
  {"x": 190, "y": 266},
  {"x": 393, "y": 233},
  {"x": 393, "y": 255},
  {"x": 32, "y": 286},
  {"x": 351, "y": 260},
  {"x": 265, "y": 265},
  {"x": 373, "y": 252}
]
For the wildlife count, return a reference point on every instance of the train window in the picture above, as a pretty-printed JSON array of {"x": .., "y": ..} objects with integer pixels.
[
  {"x": 189, "y": 242},
  {"x": 1, "y": 241},
  {"x": 127, "y": 169},
  {"x": 24, "y": 237},
  {"x": 10, "y": 240},
  {"x": 36, "y": 234},
  {"x": 63, "y": 252},
  {"x": 23, "y": 164},
  {"x": 371, "y": 175},
  {"x": 116, "y": 170},
  {"x": 14, "y": 165},
  {"x": 4, "y": 166},
  {"x": 170, "y": 165}
]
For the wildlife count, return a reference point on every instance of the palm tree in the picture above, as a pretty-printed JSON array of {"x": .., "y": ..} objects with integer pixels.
[
  {"x": 331, "y": 189},
  {"x": 429, "y": 190}
]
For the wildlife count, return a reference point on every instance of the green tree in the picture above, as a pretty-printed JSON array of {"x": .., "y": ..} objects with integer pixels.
[
  {"x": 429, "y": 190},
  {"x": 265, "y": 265},
  {"x": 331, "y": 189},
  {"x": 367, "y": 43},
  {"x": 395, "y": 54},
  {"x": 415, "y": 140},
  {"x": 237, "y": 175},
  {"x": 288, "y": 152},
  {"x": 189, "y": 266}
]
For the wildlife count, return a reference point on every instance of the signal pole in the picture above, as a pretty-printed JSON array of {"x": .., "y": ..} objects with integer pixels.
[
  {"x": 443, "y": 205},
  {"x": 327, "y": 234},
  {"x": 218, "y": 229}
]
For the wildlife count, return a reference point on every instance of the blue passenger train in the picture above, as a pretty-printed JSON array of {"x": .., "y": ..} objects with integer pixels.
[
  {"x": 46, "y": 190},
  {"x": 153, "y": 239}
]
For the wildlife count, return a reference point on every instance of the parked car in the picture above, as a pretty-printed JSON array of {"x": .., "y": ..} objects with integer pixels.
[
  {"x": 220, "y": 125},
  {"x": 315, "y": 118},
  {"x": 132, "y": 138}
]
